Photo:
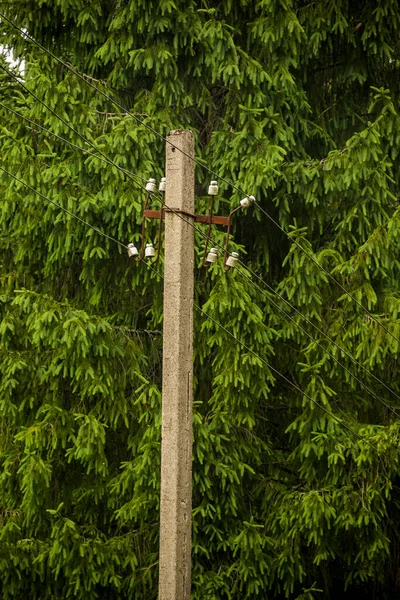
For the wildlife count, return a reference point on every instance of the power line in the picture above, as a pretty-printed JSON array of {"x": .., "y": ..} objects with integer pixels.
[
  {"x": 327, "y": 273},
  {"x": 104, "y": 158},
  {"x": 132, "y": 177},
  {"x": 108, "y": 97},
  {"x": 274, "y": 370},
  {"x": 293, "y": 385},
  {"x": 230, "y": 184},
  {"x": 300, "y": 327},
  {"x": 248, "y": 279},
  {"x": 32, "y": 189},
  {"x": 247, "y": 348},
  {"x": 352, "y": 358},
  {"x": 327, "y": 352},
  {"x": 307, "y": 320}
]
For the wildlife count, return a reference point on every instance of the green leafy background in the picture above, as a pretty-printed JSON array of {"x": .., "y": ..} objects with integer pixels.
[{"x": 295, "y": 102}]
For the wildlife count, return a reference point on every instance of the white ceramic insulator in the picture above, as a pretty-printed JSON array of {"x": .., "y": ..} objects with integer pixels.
[
  {"x": 151, "y": 185},
  {"x": 232, "y": 259},
  {"x": 132, "y": 250},
  {"x": 212, "y": 255},
  {"x": 248, "y": 201},
  {"x": 149, "y": 251},
  {"x": 213, "y": 188},
  {"x": 163, "y": 184}
]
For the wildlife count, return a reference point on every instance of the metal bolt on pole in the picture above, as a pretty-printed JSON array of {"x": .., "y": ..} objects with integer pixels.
[{"x": 177, "y": 382}]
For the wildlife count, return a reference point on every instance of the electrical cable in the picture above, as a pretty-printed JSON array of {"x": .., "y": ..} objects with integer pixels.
[
  {"x": 131, "y": 176},
  {"x": 247, "y": 348},
  {"x": 53, "y": 112},
  {"x": 233, "y": 186},
  {"x": 355, "y": 361},
  {"x": 274, "y": 370},
  {"x": 352, "y": 358},
  {"x": 62, "y": 139},
  {"x": 293, "y": 385},
  {"x": 32, "y": 189},
  {"x": 327, "y": 352},
  {"x": 107, "y": 96},
  {"x": 327, "y": 337},
  {"x": 327, "y": 273}
]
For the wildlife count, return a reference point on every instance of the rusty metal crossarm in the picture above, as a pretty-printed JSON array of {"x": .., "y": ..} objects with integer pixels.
[{"x": 215, "y": 219}]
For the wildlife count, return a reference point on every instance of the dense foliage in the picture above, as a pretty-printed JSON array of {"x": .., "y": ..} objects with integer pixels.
[{"x": 295, "y": 102}]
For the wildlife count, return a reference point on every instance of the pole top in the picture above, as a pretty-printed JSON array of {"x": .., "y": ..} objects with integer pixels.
[{"x": 181, "y": 132}]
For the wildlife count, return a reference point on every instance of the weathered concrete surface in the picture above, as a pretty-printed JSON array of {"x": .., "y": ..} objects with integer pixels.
[{"x": 177, "y": 383}]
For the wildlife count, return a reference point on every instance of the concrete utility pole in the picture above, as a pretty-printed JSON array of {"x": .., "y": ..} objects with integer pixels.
[{"x": 177, "y": 382}]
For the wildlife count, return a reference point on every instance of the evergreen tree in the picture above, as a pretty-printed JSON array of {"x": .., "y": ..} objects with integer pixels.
[{"x": 295, "y": 495}]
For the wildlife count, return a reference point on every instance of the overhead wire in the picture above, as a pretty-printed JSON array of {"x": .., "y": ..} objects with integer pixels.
[
  {"x": 103, "y": 158},
  {"x": 315, "y": 261},
  {"x": 32, "y": 189},
  {"x": 208, "y": 316},
  {"x": 75, "y": 131},
  {"x": 355, "y": 361},
  {"x": 282, "y": 376},
  {"x": 131, "y": 176},
  {"x": 327, "y": 352},
  {"x": 274, "y": 370},
  {"x": 106, "y": 96},
  {"x": 202, "y": 165}
]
